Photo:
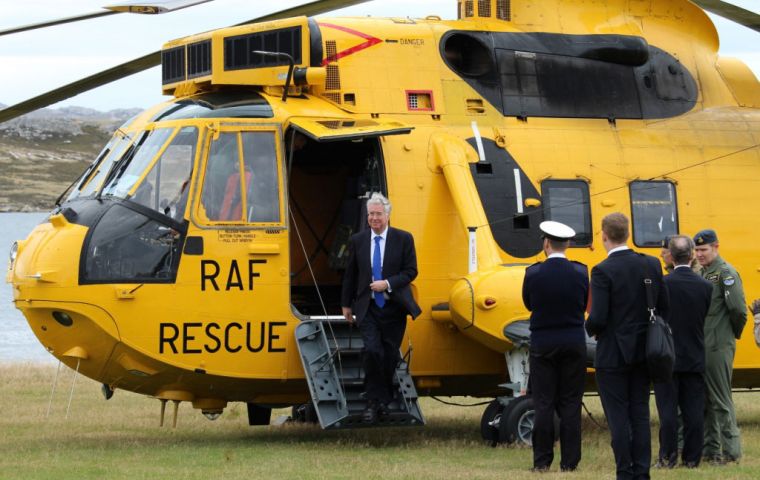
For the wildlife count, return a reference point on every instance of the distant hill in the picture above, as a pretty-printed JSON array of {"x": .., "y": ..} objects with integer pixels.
[{"x": 41, "y": 153}]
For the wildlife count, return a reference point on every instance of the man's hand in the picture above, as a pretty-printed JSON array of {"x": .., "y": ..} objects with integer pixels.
[
  {"x": 378, "y": 286},
  {"x": 755, "y": 306},
  {"x": 348, "y": 314}
]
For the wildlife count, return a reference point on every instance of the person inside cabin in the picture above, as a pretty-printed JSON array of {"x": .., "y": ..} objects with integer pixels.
[{"x": 222, "y": 187}]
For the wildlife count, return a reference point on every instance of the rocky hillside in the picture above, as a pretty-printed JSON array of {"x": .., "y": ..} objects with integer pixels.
[{"x": 42, "y": 152}]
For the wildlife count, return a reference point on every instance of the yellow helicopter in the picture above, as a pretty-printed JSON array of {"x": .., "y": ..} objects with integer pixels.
[{"x": 199, "y": 257}]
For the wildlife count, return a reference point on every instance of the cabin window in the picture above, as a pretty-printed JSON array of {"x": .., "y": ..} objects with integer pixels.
[
  {"x": 241, "y": 182},
  {"x": 567, "y": 201},
  {"x": 654, "y": 212},
  {"x": 166, "y": 186}
]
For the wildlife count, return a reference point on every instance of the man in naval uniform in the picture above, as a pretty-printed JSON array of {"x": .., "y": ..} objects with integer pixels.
[
  {"x": 556, "y": 293},
  {"x": 723, "y": 325}
]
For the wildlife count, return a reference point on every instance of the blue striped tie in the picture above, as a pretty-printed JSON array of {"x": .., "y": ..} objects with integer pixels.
[{"x": 377, "y": 271}]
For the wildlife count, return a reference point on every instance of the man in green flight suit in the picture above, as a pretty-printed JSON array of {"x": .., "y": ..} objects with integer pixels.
[{"x": 723, "y": 325}]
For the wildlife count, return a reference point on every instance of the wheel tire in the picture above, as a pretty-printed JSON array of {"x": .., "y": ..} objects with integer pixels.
[
  {"x": 492, "y": 411},
  {"x": 517, "y": 419}
]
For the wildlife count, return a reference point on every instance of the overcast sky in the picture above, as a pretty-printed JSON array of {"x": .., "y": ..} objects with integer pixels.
[{"x": 37, "y": 61}]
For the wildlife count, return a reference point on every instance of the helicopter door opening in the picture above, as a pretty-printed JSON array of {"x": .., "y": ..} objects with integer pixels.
[{"x": 331, "y": 173}]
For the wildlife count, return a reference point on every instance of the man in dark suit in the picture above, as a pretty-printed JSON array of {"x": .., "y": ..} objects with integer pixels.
[
  {"x": 619, "y": 320},
  {"x": 382, "y": 263},
  {"x": 556, "y": 293},
  {"x": 689, "y": 295}
]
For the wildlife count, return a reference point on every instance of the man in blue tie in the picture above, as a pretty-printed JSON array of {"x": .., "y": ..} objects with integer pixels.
[{"x": 382, "y": 263}]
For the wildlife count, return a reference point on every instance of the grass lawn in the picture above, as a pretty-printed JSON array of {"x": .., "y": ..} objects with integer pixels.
[{"x": 120, "y": 438}]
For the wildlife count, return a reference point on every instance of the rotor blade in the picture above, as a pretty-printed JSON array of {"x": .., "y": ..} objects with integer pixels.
[
  {"x": 156, "y": 7},
  {"x": 148, "y": 61},
  {"x": 88, "y": 83},
  {"x": 159, "y": 6},
  {"x": 732, "y": 12},
  {"x": 59, "y": 21}
]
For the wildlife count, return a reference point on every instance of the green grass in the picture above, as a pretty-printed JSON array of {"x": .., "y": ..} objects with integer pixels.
[{"x": 121, "y": 438}]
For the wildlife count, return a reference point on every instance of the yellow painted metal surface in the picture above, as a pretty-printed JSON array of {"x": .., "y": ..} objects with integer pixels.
[{"x": 210, "y": 343}]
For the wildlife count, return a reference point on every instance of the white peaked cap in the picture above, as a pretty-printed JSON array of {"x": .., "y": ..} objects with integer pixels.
[{"x": 556, "y": 230}]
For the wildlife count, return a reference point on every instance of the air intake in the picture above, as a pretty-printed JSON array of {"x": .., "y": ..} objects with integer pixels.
[
  {"x": 199, "y": 59},
  {"x": 173, "y": 65},
  {"x": 238, "y": 49},
  {"x": 498, "y": 9}
]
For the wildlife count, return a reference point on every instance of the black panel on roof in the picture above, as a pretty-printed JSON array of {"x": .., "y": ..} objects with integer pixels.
[
  {"x": 238, "y": 50},
  {"x": 572, "y": 76}
]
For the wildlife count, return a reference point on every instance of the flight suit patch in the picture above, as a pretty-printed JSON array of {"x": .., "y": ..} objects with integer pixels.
[{"x": 728, "y": 281}]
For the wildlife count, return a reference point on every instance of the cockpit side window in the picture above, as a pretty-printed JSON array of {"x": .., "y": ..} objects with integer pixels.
[
  {"x": 262, "y": 194},
  {"x": 222, "y": 191},
  {"x": 241, "y": 183},
  {"x": 128, "y": 174},
  {"x": 165, "y": 188}
]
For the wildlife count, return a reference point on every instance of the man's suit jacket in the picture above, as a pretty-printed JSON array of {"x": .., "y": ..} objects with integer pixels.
[
  {"x": 399, "y": 269},
  {"x": 619, "y": 317},
  {"x": 556, "y": 293},
  {"x": 689, "y": 296}
]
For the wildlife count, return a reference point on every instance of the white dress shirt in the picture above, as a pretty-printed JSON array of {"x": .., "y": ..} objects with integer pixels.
[{"x": 618, "y": 249}]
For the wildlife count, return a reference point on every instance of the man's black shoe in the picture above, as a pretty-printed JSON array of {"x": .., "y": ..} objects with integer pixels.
[
  {"x": 715, "y": 460},
  {"x": 541, "y": 469},
  {"x": 564, "y": 468},
  {"x": 369, "y": 415},
  {"x": 690, "y": 464},
  {"x": 664, "y": 463},
  {"x": 730, "y": 459}
]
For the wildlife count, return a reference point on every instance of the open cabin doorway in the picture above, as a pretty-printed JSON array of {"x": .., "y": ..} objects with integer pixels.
[{"x": 328, "y": 186}]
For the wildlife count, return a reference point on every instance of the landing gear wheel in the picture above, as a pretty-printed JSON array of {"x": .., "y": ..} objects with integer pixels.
[
  {"x": 304, "y": 413},
  {"x": 492, "y": 412},
  {"x": 517, "y": 419}
]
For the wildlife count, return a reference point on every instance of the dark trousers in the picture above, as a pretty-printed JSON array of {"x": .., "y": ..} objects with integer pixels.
[
  {"x": 687, "y": 392},
  {"x": 382, "y": 330},
  {"x": 625, "y": 399},
  {"x": 557, "y": 378}
]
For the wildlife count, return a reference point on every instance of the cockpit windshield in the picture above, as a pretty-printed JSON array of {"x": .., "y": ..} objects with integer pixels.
[
  {"x": 94, "y": 176},
  {"x": 133, "y": 168},
  {"x": 166, "y": 186}
]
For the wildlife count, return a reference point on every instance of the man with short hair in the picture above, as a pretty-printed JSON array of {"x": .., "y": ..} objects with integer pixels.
[
  {"x": 667, "y": 259},
  {"x": 723, "y": 326},
  {"x": 619, "y": 319},
  {"x": 382, "y": 263},
  {"x": 556, "y": 293},
  {"x": 689, "y": 296}
]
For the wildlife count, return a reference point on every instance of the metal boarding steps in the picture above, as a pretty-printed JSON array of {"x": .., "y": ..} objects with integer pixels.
[{"x": 330, "y": 351}]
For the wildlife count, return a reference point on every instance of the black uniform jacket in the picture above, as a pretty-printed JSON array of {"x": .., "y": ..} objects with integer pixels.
[
  {"x": 556, "y": 293},
  {"x": 619, "y": 315},
  {"x": 399, "y": 269},
  {"x": 689, "y": 296}
]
